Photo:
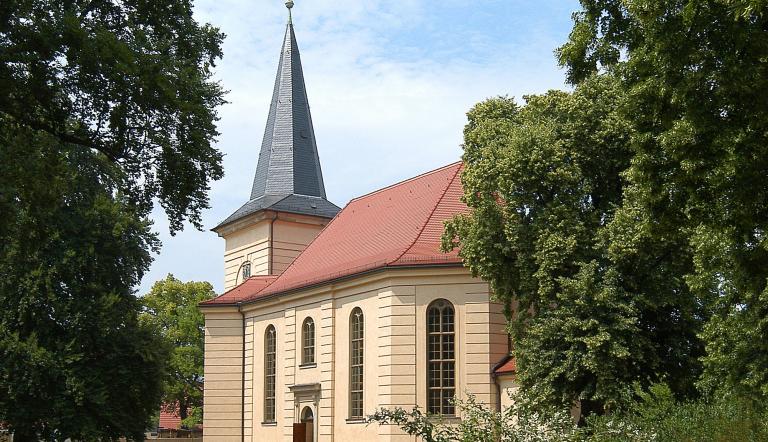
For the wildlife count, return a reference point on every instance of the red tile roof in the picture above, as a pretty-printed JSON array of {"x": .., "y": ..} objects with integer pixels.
[
  {"x": 399, "y": 225},
  {"x": 507, "y": 366},
  {"x": 169, "y": 420},
  {"x": 252, "y": 285}
]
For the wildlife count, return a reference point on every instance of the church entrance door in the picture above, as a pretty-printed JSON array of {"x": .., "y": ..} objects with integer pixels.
[{"x": 300, "y": 432}]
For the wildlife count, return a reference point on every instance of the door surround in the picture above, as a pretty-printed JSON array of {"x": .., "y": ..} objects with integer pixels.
[{"x": 306, "y": 395}]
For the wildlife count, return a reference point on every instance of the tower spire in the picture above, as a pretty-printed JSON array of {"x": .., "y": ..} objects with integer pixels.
[
  {"x": 288, "y": 161},
  {"x": 288, "y": 176}
]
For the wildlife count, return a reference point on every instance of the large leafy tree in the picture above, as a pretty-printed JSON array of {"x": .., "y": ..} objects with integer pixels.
[
  {"x": 544, "y": 182},
  {"x": 74, "y": 360},
  {"x": 105, "y": 107},
  {"x": 126, "y": 80},
  {"x": 696, "y": 72},
  {"x": 171, "y": 307}
]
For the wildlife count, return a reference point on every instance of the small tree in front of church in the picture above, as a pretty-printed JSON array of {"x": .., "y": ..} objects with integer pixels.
[
  {"x": 479, "y": 423},
  {"x": 171, "y": 307}
]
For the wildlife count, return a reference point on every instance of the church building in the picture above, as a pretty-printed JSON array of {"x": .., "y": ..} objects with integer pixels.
[{"x": 329, "y": 313}]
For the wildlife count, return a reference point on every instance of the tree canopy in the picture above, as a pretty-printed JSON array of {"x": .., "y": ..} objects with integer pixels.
[
  {"x": 105, "y": 108},
  {"x": 624, "y": 222},
  {"x": 544, "y": 182},
  {"x": 171, "y": 307},
  {"x": 74, "y": 360},
  {"x": 127, "y": 80},
  {"x": 696, "y": 72}
]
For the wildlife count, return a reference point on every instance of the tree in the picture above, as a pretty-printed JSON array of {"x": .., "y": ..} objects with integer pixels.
[
  {"x": 129, "y": 81},
  {"x": 171, "y": 307},
  {"x": 543, "y": 182},
  {"x": 105, "y": 107},
  {"x": 697, "y": 76},
  {"x": 74, "y": 360}
]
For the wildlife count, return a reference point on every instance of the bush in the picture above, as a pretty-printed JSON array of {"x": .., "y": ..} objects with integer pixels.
[
  {"x": 655, "y": 416},
  {"x": 517, "y": 423}
]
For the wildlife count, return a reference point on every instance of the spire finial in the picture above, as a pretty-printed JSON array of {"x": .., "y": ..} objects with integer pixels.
[{"x": 289, "y": 5}]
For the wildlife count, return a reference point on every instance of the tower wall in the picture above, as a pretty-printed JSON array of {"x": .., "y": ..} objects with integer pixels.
[{"x": 269, "y": 241}]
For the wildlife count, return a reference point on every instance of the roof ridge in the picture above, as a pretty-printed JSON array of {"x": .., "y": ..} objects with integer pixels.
[
  {"x": 431, "y": 214},
  {"x": 400, "y": 183}
]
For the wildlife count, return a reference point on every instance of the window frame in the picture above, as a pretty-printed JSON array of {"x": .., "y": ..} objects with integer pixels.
[
  {"x": 308, "y": 347},
  {"x": 448, "y": 372},
  {"x": 356, "y": 336},
  {"x": 243, "y": 267},
  {"x": 270, "y": 401}
]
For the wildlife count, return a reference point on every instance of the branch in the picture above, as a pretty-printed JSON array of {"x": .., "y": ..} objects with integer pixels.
[{"x": 69, "y": 138}]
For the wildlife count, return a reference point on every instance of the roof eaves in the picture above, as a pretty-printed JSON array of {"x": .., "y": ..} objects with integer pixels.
[
  {"x": 212, "y": 302},
  {"x": 500, "y": 364}
]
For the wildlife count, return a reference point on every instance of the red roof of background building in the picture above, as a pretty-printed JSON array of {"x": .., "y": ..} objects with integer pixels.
[
  {"x": 169, "y": 420},
  {"x": 399, "y": 225}
]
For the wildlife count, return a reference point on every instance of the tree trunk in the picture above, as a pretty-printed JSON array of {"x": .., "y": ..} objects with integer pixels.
[{"x": 183, "y": 409}]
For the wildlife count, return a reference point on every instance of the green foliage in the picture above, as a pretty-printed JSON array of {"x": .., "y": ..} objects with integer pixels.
[
  {"x": 130, "y": 80},
  {"x": 657, "y": 416},
  {"x": 74, "y": 359},
  {"x": 697, "y": 75},
  {"x": 105, "y": 106},
  {"x": 654, "y": 415},
  {"x": 544, "y": 182},
  {"x": 171, "y": 308},
  {"x": 516, "y": 423}
]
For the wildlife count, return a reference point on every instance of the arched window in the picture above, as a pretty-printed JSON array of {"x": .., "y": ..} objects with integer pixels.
[
  {"x": 308, "y": 342},
  {"x": 270, "y": 366},
  {"x": 246, "y": 270},
  {"x": 356, "y": 337},
  {"x": 441, "y": 357},
  {"x": 307, "y": 415}
]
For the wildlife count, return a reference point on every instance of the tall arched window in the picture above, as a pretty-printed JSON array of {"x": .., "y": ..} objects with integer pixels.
[
  {"x": 270, "y": 366},
  {"x": 441, "y": 357},
  {"x": 356, "y": 337},
  {"x": 308, "y": 342}
]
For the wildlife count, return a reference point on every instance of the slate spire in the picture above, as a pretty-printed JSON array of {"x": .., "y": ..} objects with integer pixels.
[
  {"x": 288, "y": 161},
  {"x": 288, "y": 176}
]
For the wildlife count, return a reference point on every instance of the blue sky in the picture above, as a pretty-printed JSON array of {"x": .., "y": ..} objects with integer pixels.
[{"x": 389, "y": 84}]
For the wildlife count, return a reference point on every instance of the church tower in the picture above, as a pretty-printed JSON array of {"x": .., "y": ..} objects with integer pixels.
[{"x": 287, "y": 206}]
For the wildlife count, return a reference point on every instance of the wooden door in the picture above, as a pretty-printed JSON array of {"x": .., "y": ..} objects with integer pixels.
[{"x": 300, "y": 432}]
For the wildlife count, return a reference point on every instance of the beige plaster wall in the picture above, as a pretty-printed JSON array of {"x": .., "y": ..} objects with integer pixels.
[
  {"x": 394, "y": 303},
  {"x": 291, "y": 238},
  {"x": 223, "y": 371},
  {"x": 508, "y": 386},
  {"x": 250, "y": 242}
]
